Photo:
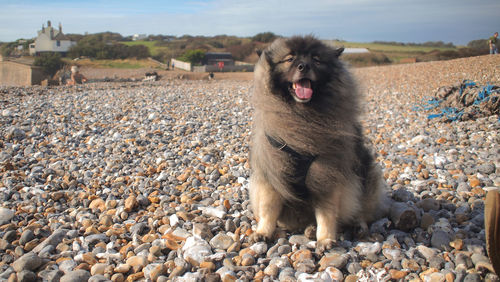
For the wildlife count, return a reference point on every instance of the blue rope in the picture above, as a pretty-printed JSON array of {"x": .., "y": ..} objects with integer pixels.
[
  {"x": 484, "y": 94},
  {"x": 452, "y": 114},
  {"x": 465, "y": 84},
  {"x": 427, "y": 104}
]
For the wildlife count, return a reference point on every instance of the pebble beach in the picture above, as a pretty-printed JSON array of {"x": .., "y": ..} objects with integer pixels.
[{"x": 148, "y": 181}]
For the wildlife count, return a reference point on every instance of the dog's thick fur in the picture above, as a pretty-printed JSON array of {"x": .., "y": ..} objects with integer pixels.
[{"x": 308, "y": 158}]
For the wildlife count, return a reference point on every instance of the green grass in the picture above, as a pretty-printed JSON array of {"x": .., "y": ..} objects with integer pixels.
[
  {"x": 386, "y": 48},
  {"x": 153, "y": 48},
  {"x": 120, "y": 65},
  {"x": 394, "y": 52}
]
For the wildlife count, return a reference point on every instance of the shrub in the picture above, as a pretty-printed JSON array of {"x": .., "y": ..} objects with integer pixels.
[
  {"x": 50, "y": 62},
  {"x": 480, "y": 44},
  {"x": 437, "y": 55},
  {"x": 100, "y": 50},
  {"x": 366, "y": 59},
  {"x": 138, "y": 51},
  {"x": 193, "y": 56},
  {"x": 264, "y": 37},
  {"x": 240, "y": 52}
]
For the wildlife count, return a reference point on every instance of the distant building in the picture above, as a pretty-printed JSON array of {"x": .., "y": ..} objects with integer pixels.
[
  {"x": 337, "y": 44},
  {"x": 218, "y": 59},
  {"x": 138, "y": 37},
  {"x": 356, "y": 50},
  {"x": 50, "y": 39}
]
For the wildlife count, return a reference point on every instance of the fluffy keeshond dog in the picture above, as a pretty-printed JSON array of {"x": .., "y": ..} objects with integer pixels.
[{"x": 309, "y": 162}]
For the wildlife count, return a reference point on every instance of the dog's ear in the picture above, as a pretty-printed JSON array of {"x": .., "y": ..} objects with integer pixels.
[
  {"x": 265, "y": 55},
  {"x": 339, "y": 51},
  {"x": 268, "y": 55}
]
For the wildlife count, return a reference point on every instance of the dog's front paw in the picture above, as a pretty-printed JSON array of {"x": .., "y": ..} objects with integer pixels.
[
  {"x": 257, "y": 237},
  {"x": 324, "y": 245},
  {"x": 310, "y": 232}
]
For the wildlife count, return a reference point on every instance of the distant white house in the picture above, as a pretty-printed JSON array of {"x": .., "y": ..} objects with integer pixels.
[
  {"x": 356, "y": 50},
  {"x": 137, "y": 37},
  {"x": 50, "y": 39},
  {"x": 336, "y": 44}
]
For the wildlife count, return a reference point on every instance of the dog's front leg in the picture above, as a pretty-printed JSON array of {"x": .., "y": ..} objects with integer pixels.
[
  {"x": 268, "y": 205},
  {"x": 326, "y": 219}
]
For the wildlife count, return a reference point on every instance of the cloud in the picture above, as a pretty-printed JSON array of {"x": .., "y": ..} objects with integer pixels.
[{"x": 458, "y": 21}]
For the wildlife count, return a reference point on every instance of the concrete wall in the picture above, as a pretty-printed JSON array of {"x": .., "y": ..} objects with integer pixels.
[
  {"x": 180, "y": 65},
  {"x": 211, "y": 68},
  {"x": 15, "y": 74}
]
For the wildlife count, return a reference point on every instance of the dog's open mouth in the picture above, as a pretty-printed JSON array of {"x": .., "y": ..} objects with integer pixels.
[{"x": 302, "y": 90}]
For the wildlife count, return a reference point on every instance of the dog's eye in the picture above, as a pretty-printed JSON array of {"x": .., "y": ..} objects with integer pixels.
[
  {"x": 316, "y": 60},
  {"x": 288, "y": 59}
]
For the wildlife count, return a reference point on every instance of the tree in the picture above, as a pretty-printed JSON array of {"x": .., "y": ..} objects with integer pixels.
[
  {"x": 138, "y": 51},
  {"x": 265, "y": 37},
  {"x": 93, "y": 47},
  {"x": 479, "y": 44},
  {"x": 12, "y": 48},
  {"x": 193, "y": 56},
  {"x": 50, "y": 62}
]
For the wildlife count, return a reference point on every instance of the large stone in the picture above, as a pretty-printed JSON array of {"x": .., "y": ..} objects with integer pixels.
[
  {"x": 15, "y": 133},
  {"x": 137, "y": 262},
  {"x": 333, "y": 260},
  {"x": 5, "y": 215},
  {"x": 441, "y": 240},
  {"x": 52, "y": 240},
  {"x": 51, "y": 275},
  {"x": 426, "y": 252},
  {"x": 196, "y": 249},
  {"x": 403, "y": 216},
  {"x": 29, "y": 261},
  {"x": 26, "y": 276},
  {"x": 221, "y": 241},
  {"x": 76, "y": 276}
]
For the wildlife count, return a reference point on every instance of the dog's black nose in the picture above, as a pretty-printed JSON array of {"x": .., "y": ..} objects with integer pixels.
[{"x": 303, "y": 67}]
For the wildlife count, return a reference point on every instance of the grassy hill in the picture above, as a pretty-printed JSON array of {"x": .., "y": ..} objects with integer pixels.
[
  {"x": 163, "y": 48},
  {"x": 154, "y": 49},
  {"x": 243, "y": 49}
]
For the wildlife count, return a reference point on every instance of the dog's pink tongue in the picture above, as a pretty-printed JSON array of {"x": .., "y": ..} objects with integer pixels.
[{"x": 303, "y": 89}]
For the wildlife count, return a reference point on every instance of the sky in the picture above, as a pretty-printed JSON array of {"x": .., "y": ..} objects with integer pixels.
[{"x": 456, "y": 21}]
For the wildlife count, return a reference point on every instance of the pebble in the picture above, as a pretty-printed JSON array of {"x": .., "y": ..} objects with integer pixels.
[
  {"x": 333, "y": 260},
  {"x": 54, "y": 239},
  {"x": 441, "y": 240},
  {"x": 426, "y": 252},
  {"x": 29, "y": 261},
  {"x": 26, "y": 276},
  {"x": 131, "y": 181},
  {"x": 5, "y": 215},
  {"x": 76, "y": 276},
  {"x": 51, "y": 275},
  {"x": 196, "y": 250},
  {"x": 221, "y": 241},
  {"x": 137, "y": 262}
]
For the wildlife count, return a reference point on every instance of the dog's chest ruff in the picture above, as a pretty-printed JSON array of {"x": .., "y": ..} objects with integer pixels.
[{"x": 299, "y": 167}]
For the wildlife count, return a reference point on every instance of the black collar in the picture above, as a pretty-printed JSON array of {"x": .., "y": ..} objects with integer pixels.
[
  {"x": 282, "y": 146},
  {"x": 297, "y": 172}
]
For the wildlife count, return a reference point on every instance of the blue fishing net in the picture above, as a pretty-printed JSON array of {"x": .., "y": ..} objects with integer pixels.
[{"x": 469, "y": 99}]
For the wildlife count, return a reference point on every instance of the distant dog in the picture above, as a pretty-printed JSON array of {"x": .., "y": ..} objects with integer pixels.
[{"x": 308, "y": 160}]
